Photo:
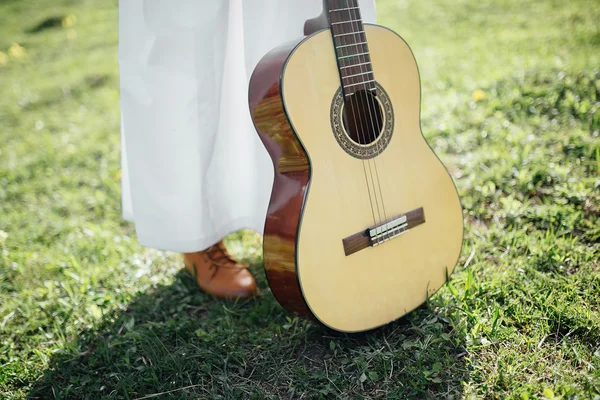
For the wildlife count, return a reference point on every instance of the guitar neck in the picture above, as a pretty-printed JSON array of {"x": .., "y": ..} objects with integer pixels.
[{"x": 351, "y": 48}]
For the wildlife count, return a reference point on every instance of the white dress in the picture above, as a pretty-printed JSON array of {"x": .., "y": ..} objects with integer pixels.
[{"x": 193, "y": 167}]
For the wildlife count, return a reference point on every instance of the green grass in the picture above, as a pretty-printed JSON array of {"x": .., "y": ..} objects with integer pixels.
[{"x": 85, "y": 312}]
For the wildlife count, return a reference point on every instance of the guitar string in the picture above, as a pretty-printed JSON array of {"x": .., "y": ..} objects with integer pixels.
[
  {"x": 354, "y": 117},
  {"x": 356, "y": 125},
  {"x": 361, "y": 121},
  {"x": 357, "y": 18},
  {"x": 358, "y": 102}
]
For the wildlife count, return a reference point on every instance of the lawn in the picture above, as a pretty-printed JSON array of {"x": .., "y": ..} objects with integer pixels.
[{"x": 511, "y": 104}]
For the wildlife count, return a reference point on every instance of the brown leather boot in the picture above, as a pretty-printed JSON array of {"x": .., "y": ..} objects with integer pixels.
[{"x": 217, "y": 273}]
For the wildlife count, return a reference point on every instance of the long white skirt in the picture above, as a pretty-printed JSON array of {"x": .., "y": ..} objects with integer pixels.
[{"x": 193, "y": 167}]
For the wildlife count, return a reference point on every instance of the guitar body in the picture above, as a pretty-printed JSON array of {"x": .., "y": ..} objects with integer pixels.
[{"x": 324, "y": 197}]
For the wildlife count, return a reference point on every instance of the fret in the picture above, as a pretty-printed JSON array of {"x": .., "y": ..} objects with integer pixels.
[
  {"x": 346, "y": 22},
  {"x": 362, "y": 73},
  {"x": 360, "y": 83},
  {"x": 355, "y": 65},
  {"x": 347, "y": 50},
  {"x": 349, "y": 33},
  {"x": 351, "y": 45},
  {"x": 343, "y": 9},
  {"x": 353, "y": 55}
]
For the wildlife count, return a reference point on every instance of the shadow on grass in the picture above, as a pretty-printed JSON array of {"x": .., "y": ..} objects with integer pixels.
[
  {"x": 48, "y": 23},
  {"x": 177, "y": 342}
]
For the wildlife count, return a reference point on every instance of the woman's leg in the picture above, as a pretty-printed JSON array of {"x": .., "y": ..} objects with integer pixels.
[{"x": 172, "y": 59}]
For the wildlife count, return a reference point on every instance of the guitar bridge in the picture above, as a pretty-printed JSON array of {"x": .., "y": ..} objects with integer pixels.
[
  {"x": 377, "y": 235},
  {"x": 388, "y": 231}
]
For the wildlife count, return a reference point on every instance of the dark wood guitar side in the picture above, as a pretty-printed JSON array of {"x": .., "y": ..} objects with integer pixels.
[{"x": 292, "y": 178}]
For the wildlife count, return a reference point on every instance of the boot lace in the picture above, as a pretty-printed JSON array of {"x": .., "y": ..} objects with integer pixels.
[{"x": 220, "y": 258}]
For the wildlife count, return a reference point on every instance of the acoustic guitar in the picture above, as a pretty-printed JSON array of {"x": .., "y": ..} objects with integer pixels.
[{"x": 364, "y": 222}]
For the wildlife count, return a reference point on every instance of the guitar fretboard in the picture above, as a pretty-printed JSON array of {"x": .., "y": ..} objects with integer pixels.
[{"x": 352, "y": 50}]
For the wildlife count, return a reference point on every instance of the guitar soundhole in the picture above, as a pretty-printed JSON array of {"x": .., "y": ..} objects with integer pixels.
[
  {"x": 362, "y": 117},
  {"x": 362, "y": 124}
]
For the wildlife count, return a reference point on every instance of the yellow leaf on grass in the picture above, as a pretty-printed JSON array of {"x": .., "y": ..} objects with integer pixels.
[
  {"x": 68, "y": 21},
  {"x": 478, "y": 95},
  {"x": 548, "y": 393},
  {"x": 16, "y": 51}
]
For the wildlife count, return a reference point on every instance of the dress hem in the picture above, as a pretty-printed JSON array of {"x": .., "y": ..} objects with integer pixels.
[{"x": 202, "y": 243}]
